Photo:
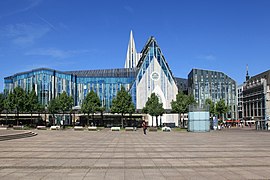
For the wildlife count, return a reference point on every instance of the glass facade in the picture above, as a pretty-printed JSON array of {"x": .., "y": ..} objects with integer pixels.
[
  {"x": 49, "y": 83},
  {"x": 205, "y": 84}
]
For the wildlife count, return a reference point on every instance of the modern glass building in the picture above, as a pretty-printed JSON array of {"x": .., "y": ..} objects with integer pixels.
[
  {"x": 205, "y": 84},
  {"x": 49, "y": 83},
  {"x": 144, "y": 73}
]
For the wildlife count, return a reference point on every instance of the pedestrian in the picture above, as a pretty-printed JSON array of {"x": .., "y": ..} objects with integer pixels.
[{"x": 144, "y": 127}]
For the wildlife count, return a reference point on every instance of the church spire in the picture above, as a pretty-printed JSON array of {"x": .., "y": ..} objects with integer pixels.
[
  {"x": 131, "y": 58},
  {"x": 247, "y": 76}
]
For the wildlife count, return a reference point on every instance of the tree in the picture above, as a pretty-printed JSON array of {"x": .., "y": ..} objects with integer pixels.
[
  {"x": 221, "y": 108},
  {"x": 91, "y": 104},
  {"x": 212, "y": 109},
  {"x": 159, "y": 112},
  {"x": 190, "y": 101},
  {"x": 2, "y": 100},
  {"x": 8, "y": 102},
  {"x": 65, "y": 103},
  {"x": 153, "y": 107},
  {"x": 131, "y": 111},
  {"x": 32, "y": 103},
  {"x": 180, "y": 105},
  {"x": 2, "y": 103},
  {"x": 16, "y": 101},
  {"x": 102, "y": 110},
  {"x": 53, "y": 108},
  {"x": 147, "y": 107},
  {"x": 40, "y": 108},
  {"x": 122, "y": 103}
]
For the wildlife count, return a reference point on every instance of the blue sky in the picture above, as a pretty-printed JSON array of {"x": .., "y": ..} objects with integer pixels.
[{"x": 222, "y": 35}]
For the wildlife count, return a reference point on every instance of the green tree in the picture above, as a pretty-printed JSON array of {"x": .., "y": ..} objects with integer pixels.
[
  {"x": 2, "y": 100},
  {"x": 153, "y": 107},
  {"x": 2, "y": 103},
  {"x": 91, "y": 104},
  {"x": 159, "y": 112},
  {"x": 53, "y": 108},
  {"x": 147, "y": 107},
  {"x": 17, "y": 101},
  {"x": 40, "y": 108},
  {"x": 102, "y": 110},
  {"x": 122, "y": 104},
  {"x": 180, "y": 105},
  {"x": 8, "y": 103},
  {"x": 131, "y": 111},
  {"x": 221, "y": 108},
  {"x": 65, "y": 103},
  {"x": 212, "y": 109},
  {"x": 32, "y": 104}
]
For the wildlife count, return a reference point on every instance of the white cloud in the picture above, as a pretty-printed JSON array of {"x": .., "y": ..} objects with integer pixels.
[
  {"x": 47, "y": 22},
  {"x": 209, "y": 57},
  {"x": 56, "y": 53},
  {"x": 24, "y": 34},
  {"x": 29, "y": 5},
  {"x": 129, "y": 9}
]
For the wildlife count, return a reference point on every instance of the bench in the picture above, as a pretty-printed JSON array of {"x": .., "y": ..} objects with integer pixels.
[
  {"x": 18, "y": 127},
  {"x": 166, "y": 129},
  {"x": 153, "y": 129},
  {"x": 41, "y": 128},
  {"x": 130, "y": 128},
  {"x": 78, "y": 128},
  {"x": 92, "y": 128},
  {"x": 115, "y": 128},
  {"x": 55, "y": 127},
  {"x": 3, "y": 127}
]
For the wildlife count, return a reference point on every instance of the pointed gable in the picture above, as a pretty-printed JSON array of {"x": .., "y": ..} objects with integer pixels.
[
  {"x": 154, "y": 76},
  {"x": 151, "y": 50}
]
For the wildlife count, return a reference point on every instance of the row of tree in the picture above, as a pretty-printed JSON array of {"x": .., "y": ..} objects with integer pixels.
[{"x": 20, "y": 101}]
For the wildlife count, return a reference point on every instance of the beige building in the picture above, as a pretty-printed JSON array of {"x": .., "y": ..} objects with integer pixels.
[{"x": 256, "y": 100}]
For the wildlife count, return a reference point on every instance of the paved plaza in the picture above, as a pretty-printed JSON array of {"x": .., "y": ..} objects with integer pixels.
[{"x": 237, "y": 153}]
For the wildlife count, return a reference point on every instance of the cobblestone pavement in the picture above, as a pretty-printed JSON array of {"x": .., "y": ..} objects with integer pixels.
[{"x": 237, "y": 153}]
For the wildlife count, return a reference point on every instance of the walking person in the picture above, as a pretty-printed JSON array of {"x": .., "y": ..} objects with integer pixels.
[{"x": 144, "y": 127}]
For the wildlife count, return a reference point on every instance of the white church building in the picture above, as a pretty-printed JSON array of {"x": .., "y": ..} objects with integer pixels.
[{"x": 153, "y": 76}]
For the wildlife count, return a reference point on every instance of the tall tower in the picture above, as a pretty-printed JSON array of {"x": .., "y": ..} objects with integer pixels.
[
  {"x": 247, "y": 76},
  {"x": 132, "y": 56}
]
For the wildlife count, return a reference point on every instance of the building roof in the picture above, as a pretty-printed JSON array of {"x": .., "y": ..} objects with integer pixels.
[
  {"x": 121, "y": 72},
  {"x": 33, "y": 70},
  {"x": 204, "y": 70},
  {"x": 145, "y": 50},
  {"x": 265, "y": 75}
]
